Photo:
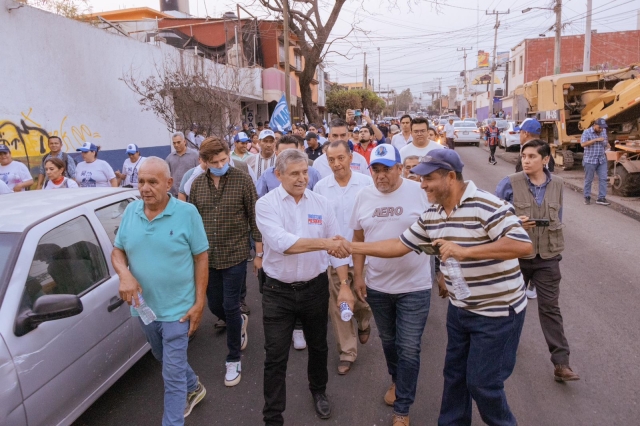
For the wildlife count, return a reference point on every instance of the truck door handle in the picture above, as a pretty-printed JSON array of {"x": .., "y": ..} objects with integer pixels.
[{"x": 114, "y": 303}]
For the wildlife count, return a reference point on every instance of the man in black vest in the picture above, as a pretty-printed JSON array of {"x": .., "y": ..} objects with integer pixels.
[
  {"x": 537, "y": 196},
  {"x": 55, "y": 147}
]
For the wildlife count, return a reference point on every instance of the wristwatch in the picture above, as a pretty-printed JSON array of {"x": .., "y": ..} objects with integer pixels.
[
  {"x": 260, "y": 254},
  {"x": 344, "y": 282}
]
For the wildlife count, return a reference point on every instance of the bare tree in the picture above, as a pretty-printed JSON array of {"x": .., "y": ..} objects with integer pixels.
[
  {"x": 69, "y": 8},
  {"x": 189, "y": 89}
]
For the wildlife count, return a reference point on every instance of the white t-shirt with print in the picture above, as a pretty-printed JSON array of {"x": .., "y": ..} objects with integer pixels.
[
  {"x": 66, "y": 183},
  {"x": 131, "y": 170},
  {"x": 411, "y": 149},
  {"x": 14, "y": 173},
  {"x": 4, "y": 189},
  {"x": 384, "y": 216},
  {"x": 94, "y": 175}
]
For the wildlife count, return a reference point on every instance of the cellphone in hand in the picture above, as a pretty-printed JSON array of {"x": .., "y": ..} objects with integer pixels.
[
  {"x": 358, "y": 113},
  {"x": 540, "y": 222}
]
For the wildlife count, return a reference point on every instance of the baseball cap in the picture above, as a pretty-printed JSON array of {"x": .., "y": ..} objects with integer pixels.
[
  {"x": 4, "y": 148},
  {"x": 446, "y": 159},
  {"x": 266, "y": 133},
  {"x": 394, "y": 129},
  {"x": 132, "y": 148},
  {"x": 356, "y": 129},
  {"x": 242, "y": 137},
  {"x": 310, "y": 135},
  {"x": 601, "y": 122},
  {"x": 529, "y": 125},
  {"x": 385, "y": 154},
  {"x": 87, "y": 146}
]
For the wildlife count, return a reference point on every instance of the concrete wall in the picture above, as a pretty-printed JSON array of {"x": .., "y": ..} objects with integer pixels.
[
  {"x": 481, "y": 103},
  {"x": 517, "y": 74}
]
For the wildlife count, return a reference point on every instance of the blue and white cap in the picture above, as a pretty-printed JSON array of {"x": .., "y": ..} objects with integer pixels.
[
  {"x": 385, "y": 154},
  {"x": 266, "y": 133},
  {"x": 242, "y": 137},
  {"x": 87, "y": 146},
  {"x": 132, "y": 148}
]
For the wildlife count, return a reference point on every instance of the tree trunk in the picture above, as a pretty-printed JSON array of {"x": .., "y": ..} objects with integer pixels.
[{"x": 306, "y": 93}]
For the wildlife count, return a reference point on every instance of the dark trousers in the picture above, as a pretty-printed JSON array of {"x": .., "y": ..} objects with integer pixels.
[
  {"x": 450, "y": 143},
  {"x": 481, "y": 355},
  {"x": 223, "y": 297},
  {"x": 281, "y": 306},
  {"x": 544, "y": 275},
  {"x": 492, "y": 153}
]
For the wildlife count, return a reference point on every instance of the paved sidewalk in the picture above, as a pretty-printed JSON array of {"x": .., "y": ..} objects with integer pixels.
[{"x": 574, "y": 180}]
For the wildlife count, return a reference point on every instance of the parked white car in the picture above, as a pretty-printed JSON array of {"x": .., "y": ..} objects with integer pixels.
[
  {"x": 466, "y": 132},
  {"x": 510, "y": 137},
  {"x": 65, "y": 335}
]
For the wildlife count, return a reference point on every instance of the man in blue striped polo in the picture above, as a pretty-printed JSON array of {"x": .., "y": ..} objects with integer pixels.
[{"x": 483, "y": 233}]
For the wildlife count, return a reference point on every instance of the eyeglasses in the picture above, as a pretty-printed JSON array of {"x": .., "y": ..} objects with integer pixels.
[{"x": 419, "y": 132}]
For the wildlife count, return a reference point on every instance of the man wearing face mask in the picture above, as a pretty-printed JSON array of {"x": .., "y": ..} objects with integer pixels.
[{"x": 228, "y": 233}]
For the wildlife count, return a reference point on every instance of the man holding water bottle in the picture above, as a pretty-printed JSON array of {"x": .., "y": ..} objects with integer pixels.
[
  {"x": 161, "y": 252},
  {"x": 483, "y": 329}
]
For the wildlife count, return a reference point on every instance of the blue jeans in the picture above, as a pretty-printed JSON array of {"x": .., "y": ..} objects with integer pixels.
[
  {"x": 400, "y": 319},
  {"x": 223, "y": 297},
  {"x": 601, "y": 171},
  {"x": 169, "y": 341},
  {"x": 481, "y": 355}
]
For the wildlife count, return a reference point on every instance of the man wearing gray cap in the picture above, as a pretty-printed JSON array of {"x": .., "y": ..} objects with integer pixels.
[
  {"x": 595, "y": 142},
  {"x": 485, "y": 326}
]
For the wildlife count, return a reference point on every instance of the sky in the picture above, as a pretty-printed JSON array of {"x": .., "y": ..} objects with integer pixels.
[{"x": 418, "y": 41}]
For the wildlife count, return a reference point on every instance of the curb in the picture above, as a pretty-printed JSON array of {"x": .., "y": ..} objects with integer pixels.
[{"x": 633, "y": 214}]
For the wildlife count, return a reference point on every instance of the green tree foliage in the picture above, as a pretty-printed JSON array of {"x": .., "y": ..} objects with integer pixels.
[
  {"x": 404, "y": 100},
  {"x": 69, "y": 8},
  {"x": 339, "y": 101}
]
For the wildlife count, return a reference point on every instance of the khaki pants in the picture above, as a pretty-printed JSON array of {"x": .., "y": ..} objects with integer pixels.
[{"x": 346, "y": 336}]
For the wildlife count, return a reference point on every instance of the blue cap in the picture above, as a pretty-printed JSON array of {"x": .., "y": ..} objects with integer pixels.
[
  {"x": 4, "y": 148},
  {"x": 601, "y": 122},
  {"x": 242, "y": 137},
  {"x": 385, "y": 154},
  {"x": 436, "y": 159},
  {"x": 88, "y": 146},
  {"x": 132, "y": 148},
  {"x": 529, "y": 125}
]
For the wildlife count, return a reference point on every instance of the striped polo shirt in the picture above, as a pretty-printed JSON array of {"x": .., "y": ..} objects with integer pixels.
[{"x": 479, "y": 218}]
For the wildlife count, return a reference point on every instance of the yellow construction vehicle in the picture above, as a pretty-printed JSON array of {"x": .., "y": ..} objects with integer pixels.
[{"x": 566, "y": 104}]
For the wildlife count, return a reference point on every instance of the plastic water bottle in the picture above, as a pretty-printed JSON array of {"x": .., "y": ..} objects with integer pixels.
[
  {"x": 146, "y": 314},
  {"x": 460, "y": 286},
  {"x": 345, "y": 311}
]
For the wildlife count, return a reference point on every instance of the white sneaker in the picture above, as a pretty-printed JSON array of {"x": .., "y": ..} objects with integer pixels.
[
  {"x": 531, "y": 294},
  {"x": 233, "y": 375},
  {"x": 243, "y": 333},
  {"x": 298, "y": 340}
]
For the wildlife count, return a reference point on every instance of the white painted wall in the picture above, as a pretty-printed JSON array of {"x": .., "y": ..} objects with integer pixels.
[{"x": 516, "y": 76}]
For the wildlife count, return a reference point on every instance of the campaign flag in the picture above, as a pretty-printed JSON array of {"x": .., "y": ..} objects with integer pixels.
[{"x": 280, "y": 119}]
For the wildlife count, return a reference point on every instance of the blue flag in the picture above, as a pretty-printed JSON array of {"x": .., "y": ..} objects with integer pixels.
[{"x": 280, "y": 119}]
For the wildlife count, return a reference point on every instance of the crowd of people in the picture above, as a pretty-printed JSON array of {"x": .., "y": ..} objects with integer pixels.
[{"x": 329, "y": 216}]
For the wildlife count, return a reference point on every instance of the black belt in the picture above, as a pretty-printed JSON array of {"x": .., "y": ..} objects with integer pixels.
[{"x": 296, "y": 286}]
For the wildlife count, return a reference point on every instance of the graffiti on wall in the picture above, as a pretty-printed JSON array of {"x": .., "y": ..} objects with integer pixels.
[{"x": 27, "y": 139}]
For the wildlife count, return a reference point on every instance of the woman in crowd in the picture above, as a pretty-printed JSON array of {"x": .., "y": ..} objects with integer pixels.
[
  {"x": 94, "y": 173},
  {"x": 54, "y": 168},
  {"x": 253, "y": 147}
]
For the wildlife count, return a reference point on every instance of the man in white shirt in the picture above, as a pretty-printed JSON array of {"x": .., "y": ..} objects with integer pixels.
[
  {"x": 15, "y": 174},
  {"x": 267, "y": 156},
  {"x": 129, "y": 176},
  {"x": 398, "y": 290},
  {"x": 449, "y": 133},
  {"x": 341, "y": 189},
  {"x": 403, "y": 139},
  {"x": 421, "y": 144},
  {"x": 338, "y": 130},
  {"x": 297, "y": 225}
]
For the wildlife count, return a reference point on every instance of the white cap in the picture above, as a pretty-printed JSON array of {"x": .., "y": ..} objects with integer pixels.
[{"x": 266, "y": 133}]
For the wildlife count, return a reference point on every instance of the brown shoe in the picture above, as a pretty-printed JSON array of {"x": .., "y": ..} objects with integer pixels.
[
  {"x": 564, "y": 373},
  {"x": 390, "y": 396},
  {"x": 344, "y": 367},
  {"x": 400, "y": 420},
  {"x": 363, "y": 335}
]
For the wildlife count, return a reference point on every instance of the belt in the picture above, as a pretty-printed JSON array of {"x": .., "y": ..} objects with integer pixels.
[{"x": 295, "y": 286}]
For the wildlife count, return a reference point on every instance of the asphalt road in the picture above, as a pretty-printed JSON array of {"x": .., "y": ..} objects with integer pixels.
[{"x": 598, "y": 301}]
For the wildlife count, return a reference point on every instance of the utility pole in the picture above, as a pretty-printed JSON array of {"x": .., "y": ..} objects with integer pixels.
[
  {"x": 466, "y": 80},
  {"x": 287, "y": 76},
  {"x": 495, "y": 47},
  {"x": 379, "y": 81},
  {"x": 586, "y": 61},
  {"x": 556, "y": 57},
  {"x": 364, "y": 72}
]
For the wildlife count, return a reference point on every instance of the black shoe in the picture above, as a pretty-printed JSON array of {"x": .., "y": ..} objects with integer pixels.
[
  {"x": 587, "y": 200},
  {"x": 603, "y": 202},
  {"x": 322, "y": 405},
  {"x": 244, "y": 308}
]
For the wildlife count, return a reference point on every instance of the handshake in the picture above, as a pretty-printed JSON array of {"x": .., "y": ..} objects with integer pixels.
[{"x": 339, "y": 247}]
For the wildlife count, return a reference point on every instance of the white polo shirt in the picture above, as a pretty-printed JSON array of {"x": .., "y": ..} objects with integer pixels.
[
  {"x": 282, "y": 222},
  {"x": 358, "y": 164},
  {"x": 342, "y": 199},
  {"x": 399, "y": 141},
  {"x": 385, "y": 216},
  {"x": 449, "y": 130}
]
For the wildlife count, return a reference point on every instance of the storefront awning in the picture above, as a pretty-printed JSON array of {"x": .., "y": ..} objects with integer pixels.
[{"x": 273, "y": 86}]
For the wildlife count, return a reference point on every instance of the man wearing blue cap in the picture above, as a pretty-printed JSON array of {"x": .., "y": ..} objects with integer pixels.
[
  {"x": 398, "y": 291},
  {"x": 483, "y": 329},
  {"x": 129, "y": 176},
  {"x": 595, "y": 142},
  {"x": 240, "y": 151},
  {"x": 13, "y": 173},
  {"x": 529, "y": 130}
]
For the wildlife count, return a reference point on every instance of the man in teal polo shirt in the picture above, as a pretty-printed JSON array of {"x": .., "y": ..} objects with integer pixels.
[{"x": 161, "y": 252}]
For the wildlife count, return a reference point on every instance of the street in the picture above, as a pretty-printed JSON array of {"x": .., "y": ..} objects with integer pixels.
[{"x": 598, "y": 304}]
